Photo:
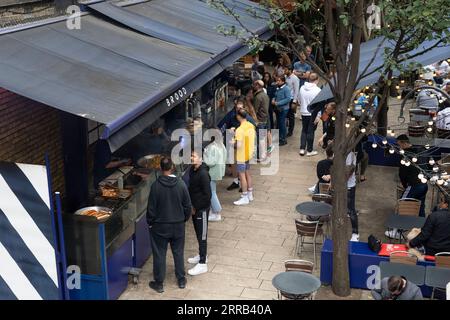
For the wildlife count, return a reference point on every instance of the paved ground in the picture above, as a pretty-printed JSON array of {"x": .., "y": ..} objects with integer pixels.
[{"x": 249, "y": 246}]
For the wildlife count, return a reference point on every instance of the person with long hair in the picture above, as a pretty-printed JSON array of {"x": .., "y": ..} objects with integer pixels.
[{"x": 282, "y": 61}]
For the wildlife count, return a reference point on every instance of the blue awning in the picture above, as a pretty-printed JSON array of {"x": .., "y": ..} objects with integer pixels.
[
  {"x": 116, "y": 76},
  {"x": 368, "y": 49}
]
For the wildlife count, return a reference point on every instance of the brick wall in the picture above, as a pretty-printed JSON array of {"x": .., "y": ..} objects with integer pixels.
[{"x": 28, "y": 130}]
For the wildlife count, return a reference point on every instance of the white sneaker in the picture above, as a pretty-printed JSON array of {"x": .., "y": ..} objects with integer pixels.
[
  {"x": 312, "y": 190},
  {"x": 214, "y": 217},
  {"x": 242, "y": 201},
  {"x": 312, "y": 153},
  {"x": 196, "y": 259},
  {"x": 355, "y": 237},
  {"x": 393, "y": 234},
  {"x": 250, "y": 196},
  {"x": 198, "y": 269},
  {"x": 302, "y": 152}
]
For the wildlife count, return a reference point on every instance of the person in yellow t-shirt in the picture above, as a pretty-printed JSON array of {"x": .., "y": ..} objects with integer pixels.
[{"x": 245, "y": 145}]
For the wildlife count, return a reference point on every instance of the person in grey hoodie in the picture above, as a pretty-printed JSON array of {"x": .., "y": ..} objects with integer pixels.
[
  {"x": 169, "y": 207},
  {"x": 215, "y": 157},
  {"x": 397, "y": 288}
]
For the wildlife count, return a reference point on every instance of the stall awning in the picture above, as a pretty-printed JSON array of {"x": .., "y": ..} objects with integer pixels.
[
  {"x": 113, "y": 74},
  {"x": 368, "y": 49}
]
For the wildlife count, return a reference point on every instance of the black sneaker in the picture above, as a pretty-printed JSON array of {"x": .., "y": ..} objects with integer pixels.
[
  {"x": 283, "y": 143},
  {"x": 158, "y": 287},
  {"x": 233, "y": 186},
  {"x": 289, "y": 134},
  {"x": 182, "y": 283}
]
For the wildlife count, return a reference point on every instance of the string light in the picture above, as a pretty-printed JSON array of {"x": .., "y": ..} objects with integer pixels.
[
  {"x": 384, "y": 141},
  {"x": 430, "y": 123},
  {"x": 420, "y": 176},
  {"x": 402, "y": 151},
  {"x": 391, "y": 151},
  {"x": 402, "y": 81},
  {"x": 349, "y": 109},
  {"x": 402, "y": 162},
  {"x": 429, "y": 129},
  {"x": 389, "y": 131},
  {"x": 333, "y": 118},
  {"x": 347, "y": 125},
  {"x": 423, "y": 180},
  {"x": 431, "y": 162},
  {"x": 435, "y": 168},
  {"x": 353, "y": 118},
  {"x": 414, "y": 159},
  {"x": 374, "y": 145},
  {"x": 427, "y": 146},
  {"x": 399, "y": 97},
  {"x": 363, "y": 130},
  {"x": 440, "y": 182},
  {"x": 407, "y": 163}
]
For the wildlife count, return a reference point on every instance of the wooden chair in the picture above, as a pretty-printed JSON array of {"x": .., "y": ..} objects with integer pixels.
[
  {"x": 324, "y": 188},
  {"x": 443, "y": 259},
  {"x": 404, "y": 257},
  {"x": 297, "y": 265},
  {"x": 408, "y": 207},
  {"x": 310, "y": 229}
]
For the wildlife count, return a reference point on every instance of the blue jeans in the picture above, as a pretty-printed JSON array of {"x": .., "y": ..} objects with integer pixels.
[
  {"x": 307, "y": 137},
  {"x": 215, "y": 203},
  {"x": 418, "y": 192},
  {"x": 281, "y": 120}
]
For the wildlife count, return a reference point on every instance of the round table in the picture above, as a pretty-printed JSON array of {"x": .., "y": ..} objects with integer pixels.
[
  {"x": 296, "y": 283},
  {"x": 314, "y": 209}
]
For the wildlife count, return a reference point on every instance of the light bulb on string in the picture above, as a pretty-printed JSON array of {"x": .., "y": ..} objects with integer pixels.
[
  {"x": 392, "y": 134},
  {"x": 430, "y": 123},
  {"x": 389, "y": 131},
  {"x": 430, "y": 129},
  {"x": 374, "y": 145},
  {"x": 440, "y": 182},
  {"x": 402, "y": 81},
  {"x": 402, "y": 151},
  {"x": 399, "y": 97},
  {"x": 423, "y": 180},
  {"x": 407, "y": 163},
  {"x": 384, "y": 141},
  {"x": 333, "y": 118},
  {"x": 391, "y": 151},
  {"x": 414, "y": 159},
  {"x": 402, "y": 162},
  {"x": 363, "y": 130},
  {"x": 347, "y": 125},
  {"x": 349, "y": 109},
  {"x": 420, "y": 176},
  {"x": 397, "y": 87},
  {"x": 431, "y": 162},
  {"x": 435, "y": 168},
  {"x": 353, "y": 119},
  {"x": 427, "y": 146}
]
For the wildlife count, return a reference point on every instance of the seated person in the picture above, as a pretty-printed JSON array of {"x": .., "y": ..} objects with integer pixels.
[
  {"x": 397, "y": 288},
  {"x": 427, "y": 99},
  {"x": 323, "y": 169},
  {"x": 435, "y": 235}
]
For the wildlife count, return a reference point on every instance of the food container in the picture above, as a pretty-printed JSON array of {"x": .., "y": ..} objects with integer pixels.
[
  {"x": 151, "y": 161},
  {"x": 101, "y": 213}
]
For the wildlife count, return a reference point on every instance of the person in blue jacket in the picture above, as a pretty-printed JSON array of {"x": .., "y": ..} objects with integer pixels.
[
  {"x": 281, "y": 103},
  {"x": 230, "y": 120}
]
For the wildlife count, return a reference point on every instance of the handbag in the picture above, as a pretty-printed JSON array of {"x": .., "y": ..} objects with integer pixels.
[{"x": 374, "y": 243}]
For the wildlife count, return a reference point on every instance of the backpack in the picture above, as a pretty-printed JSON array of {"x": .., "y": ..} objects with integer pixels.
[{"x": 374, "y": 243}]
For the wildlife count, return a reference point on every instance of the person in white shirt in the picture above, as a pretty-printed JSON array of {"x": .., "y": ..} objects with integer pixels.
[
  {"x": 293, "y": 83},
  {"x": 350, "y": 163},
  {"x": 257, "y": 68},
  {"x": 306, "y": 95}
]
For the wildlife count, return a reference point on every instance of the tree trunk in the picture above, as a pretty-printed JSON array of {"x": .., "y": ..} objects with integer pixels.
[{"x": 341, "y": 281}]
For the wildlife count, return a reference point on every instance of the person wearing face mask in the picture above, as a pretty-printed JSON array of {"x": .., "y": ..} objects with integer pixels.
[{"x": 397, "y": 288}]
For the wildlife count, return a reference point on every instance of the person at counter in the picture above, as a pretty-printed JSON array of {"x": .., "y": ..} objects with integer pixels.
[
  {"x": 104, "y": 164},
  {"x": 169, "y": 207},
  {"x": 200, "y": 192}
]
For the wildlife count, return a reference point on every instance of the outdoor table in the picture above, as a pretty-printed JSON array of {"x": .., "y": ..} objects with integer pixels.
[
  {"x": 314, "y": 209},
  {"x": 437, "y": 277},
  {"x": 296, "y": 283},
  {"x": 396, "y": 221},
  {"x": 414, "y": 273}
]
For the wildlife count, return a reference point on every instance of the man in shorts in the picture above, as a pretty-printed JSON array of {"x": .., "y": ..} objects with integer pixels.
[{"x": 245, "y": 145}]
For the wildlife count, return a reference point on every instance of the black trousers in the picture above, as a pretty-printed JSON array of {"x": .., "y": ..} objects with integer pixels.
[
  {"x": 200, "y": 220},
  {"x": 291, "y": 119},
  {"x": 351, "y": 199},
  {"x": 161, "y": 235}
]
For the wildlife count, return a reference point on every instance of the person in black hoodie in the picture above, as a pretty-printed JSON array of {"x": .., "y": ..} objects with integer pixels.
[
  {"x": 169, "y": 207},
  {"x": 434, "y": 236},
  {"x": 200, "y": 192}
]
